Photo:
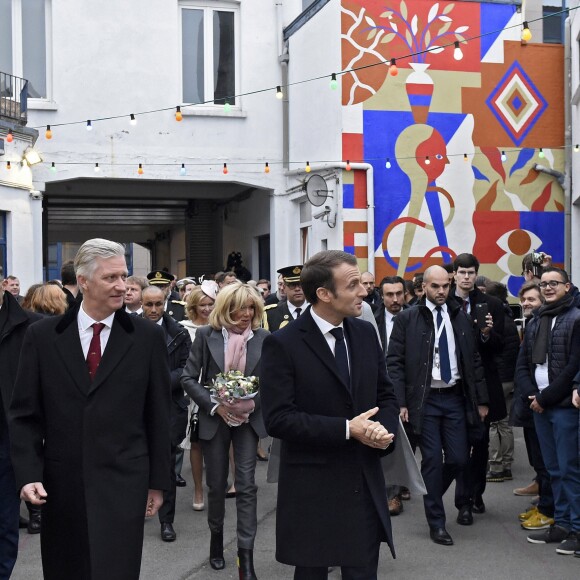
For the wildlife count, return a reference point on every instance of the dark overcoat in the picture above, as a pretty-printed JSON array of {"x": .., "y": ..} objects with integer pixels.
[
  {"x": 320, "y": 518},
  {"x": 207, "y": 354},
  {"x": 97, "y": 447}
]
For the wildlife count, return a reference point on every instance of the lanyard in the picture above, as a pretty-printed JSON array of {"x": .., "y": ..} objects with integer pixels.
[{"x": 436, "y": 359}]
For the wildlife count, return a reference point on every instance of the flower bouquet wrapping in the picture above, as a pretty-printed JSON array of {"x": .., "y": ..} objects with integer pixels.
[{"x": 235, "y": 392}]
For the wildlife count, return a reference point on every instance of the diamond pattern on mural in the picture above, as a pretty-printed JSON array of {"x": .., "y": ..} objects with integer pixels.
[{"x": 516, "y": 103}]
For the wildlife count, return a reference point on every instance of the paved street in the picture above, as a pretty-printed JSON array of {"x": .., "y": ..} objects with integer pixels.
[{"x": 495, "y": 547}]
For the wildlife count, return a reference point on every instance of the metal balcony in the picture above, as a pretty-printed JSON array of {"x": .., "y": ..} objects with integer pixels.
[{"x": 13, "y": 98}]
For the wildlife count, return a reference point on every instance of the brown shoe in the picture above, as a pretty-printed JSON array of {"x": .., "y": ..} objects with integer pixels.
[
  {"x": 532, "y": 489},
  {"x": 395, "y": 506}
]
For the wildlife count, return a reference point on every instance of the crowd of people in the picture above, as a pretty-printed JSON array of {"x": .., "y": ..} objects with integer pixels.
[{"x": 107, "y": 381}]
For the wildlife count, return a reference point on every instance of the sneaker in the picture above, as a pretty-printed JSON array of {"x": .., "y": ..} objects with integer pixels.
[
  {"x": 494, "y": 476},
  {"x": 527, "y": 515},
  {"x": 570, "y": 545},
  {"x": 538, "y": 521},
  {"x": 507, "y": 474},
  {"x": 554, "y": 534},
  {"x": 532, "y": 489}
]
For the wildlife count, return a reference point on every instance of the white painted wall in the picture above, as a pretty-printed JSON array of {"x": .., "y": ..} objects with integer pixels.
[{"x": 23, "y": 214}]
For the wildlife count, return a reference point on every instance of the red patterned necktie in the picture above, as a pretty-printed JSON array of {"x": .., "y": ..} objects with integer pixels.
[{"x": 94, "y": 354}]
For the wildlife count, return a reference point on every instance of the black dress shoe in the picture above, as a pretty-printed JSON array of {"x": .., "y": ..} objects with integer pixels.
[
  {"x": 246, "y": 564},
  {"x": 216, "y": 550},
  {"x": 478, "y": 507},
  {"x": 441, "y": 536},
  {"x": 179, "y": 481},
  {"x": 168, "y": 533},
  {"x": 35, "y": 520},
  {"x": 22, "y": 523},
  {"x": 465, "y": 517}
]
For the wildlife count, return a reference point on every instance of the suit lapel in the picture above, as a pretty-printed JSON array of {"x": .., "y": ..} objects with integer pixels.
[
  {"x": 117, "y": 346},
  {"x": 215, "y": 343},
  {"x": 68, "y": 345},
  {"x": 351, "y": 342},
  {"x": 254, "y": 350}
]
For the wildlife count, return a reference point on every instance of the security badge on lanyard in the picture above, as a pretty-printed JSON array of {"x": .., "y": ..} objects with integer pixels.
[{"x": 436, "y": 358}]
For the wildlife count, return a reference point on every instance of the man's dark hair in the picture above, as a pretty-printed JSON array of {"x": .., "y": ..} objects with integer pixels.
[
  {"x": 448, "y": 267},
  {"x": 466, "y": 261},
  {"x": 418, "y": 283},
  {"x": 318, "y": 272},
  {"x": 563, "y": 273},
  {"x": 496, "y": 289},
  {"x": 67, "y": 274},
  {"x": 392, "y": 280},
  {"x": 409, "y": 286},
  {"x": 264, "y": 281}
]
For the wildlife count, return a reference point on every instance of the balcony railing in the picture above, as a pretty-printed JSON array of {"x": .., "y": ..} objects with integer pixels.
[{"x": 13, "y": 98}]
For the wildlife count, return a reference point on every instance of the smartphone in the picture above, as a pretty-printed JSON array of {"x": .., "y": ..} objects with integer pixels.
[{"x": 481, "y": 311}]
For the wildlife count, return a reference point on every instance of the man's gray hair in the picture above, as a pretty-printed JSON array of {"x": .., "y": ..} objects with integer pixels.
[{"x": 86, "y": 258}]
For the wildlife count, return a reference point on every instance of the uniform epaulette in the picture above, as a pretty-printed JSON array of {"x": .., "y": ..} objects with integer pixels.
[
  {"x": 178, "y": 302},
  {"x": 270, "y": 306}
]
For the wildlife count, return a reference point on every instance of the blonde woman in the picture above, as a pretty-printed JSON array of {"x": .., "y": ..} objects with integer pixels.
[
  {"x": 48, "y": 299},
  {"x": 232, "y": 341},
  {"x": 198, "y": 307}
]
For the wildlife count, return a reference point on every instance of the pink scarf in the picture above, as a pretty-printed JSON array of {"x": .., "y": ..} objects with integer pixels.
[{"x": 235, "y": 355}]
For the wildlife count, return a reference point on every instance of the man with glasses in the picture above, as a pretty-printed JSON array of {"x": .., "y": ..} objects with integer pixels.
[
  {"x": 277, "y": 316},
  {"x": 486, "y": 314},
  {"x": 547, "y": 364}
]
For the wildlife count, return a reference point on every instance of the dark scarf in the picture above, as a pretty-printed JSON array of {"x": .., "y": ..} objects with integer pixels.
[{"x": 546, "y": 314}]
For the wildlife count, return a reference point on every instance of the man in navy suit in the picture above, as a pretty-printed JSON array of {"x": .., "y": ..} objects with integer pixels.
[{"x": 327, "y": 397}]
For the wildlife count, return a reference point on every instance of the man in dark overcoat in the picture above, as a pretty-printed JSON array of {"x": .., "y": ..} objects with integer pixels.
[
  {"x": 13, "y": 324},
  {"x": 327, "y": 397},
  {"x": 178, "y": 347},
  {"x": 89, "y": 425}
]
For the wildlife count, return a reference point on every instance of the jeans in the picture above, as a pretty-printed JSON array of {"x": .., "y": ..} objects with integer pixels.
[{"x": 558, "y": 434}]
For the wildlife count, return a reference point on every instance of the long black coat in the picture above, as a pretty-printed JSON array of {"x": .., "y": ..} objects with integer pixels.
[
  {"x": 12, "y": 333},
  {"x": 320, "y": 515},
  {"x": 96, "y": 447}
]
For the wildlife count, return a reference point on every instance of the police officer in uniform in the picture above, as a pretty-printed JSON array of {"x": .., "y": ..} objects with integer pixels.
[
  {"x": 277, "y": 316},
  {"x": 162, "y": 279}
]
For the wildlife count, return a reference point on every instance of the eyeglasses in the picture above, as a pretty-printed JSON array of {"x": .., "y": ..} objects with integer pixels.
[{"x": 550, "y": 283}]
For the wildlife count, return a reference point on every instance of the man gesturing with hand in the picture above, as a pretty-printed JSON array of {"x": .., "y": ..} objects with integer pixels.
[{"x": 327, "y": 397}]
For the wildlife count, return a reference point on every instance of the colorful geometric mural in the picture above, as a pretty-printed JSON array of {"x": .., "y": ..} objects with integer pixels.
[{"x": 453, "y": 143}]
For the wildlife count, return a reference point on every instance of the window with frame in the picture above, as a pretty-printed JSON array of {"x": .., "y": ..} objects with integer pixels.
[
  {"x": 24, "y": 34},
  {"x": 209, "y": 52}
]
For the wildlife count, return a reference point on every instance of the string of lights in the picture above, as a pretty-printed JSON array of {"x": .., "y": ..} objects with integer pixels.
[{"x": 279, "y": 93}]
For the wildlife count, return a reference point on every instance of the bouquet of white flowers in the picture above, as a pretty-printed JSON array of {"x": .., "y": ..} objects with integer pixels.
[{"x": 235, "y": 392}]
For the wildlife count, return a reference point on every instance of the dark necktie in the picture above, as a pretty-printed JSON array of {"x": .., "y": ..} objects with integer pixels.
[
  {"x": 341, "y": 356},
  {"x": 298, "y": 312},
  {"x": 94, "y": 354},
  {"x": 444, "y": 364},
  {"x": 466, "y": 306}
]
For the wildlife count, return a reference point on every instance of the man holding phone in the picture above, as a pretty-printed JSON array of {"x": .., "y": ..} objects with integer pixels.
[{"x": 486, "y": 312}]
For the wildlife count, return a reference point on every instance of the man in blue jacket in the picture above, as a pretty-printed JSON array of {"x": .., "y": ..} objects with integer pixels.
[{"x": 547, "y": 363}]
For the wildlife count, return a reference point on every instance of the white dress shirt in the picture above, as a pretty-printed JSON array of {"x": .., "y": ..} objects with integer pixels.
[
  {"x": 325, "y": 327},
  {"x": 436, "y": 372},
  {"x": 85, "y": 323},
  {"x": 293, "y": 308}
]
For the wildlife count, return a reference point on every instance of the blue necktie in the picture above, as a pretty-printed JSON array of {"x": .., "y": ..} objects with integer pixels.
[
  {"x": 341, "y": 356},
  {"x": 444, "y": 363}
]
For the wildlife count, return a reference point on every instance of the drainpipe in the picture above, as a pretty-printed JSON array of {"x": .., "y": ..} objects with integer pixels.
[
  {"x": 370, "y": 199},
  {"x": 567, "y": 148}
]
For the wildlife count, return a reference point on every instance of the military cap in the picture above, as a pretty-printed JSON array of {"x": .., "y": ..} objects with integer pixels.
[
  {"x": 160, "y": 278},
  {"x": 291, "y": 274}
]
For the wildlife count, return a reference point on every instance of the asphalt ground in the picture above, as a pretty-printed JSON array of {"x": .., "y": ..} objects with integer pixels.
[{"x": 494, "y": 547}]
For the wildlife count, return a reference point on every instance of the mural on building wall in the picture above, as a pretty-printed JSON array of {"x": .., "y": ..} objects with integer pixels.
[{"x": 453, "y": 143}]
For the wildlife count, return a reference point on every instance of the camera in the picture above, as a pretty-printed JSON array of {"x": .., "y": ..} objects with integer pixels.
[{"x": 537, "y": 259}]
